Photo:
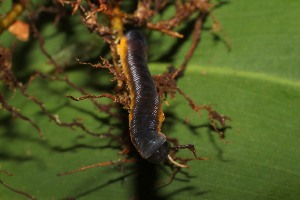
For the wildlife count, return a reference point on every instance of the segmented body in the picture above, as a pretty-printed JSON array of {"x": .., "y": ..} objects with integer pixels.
[{"x": 145, "y": 114}]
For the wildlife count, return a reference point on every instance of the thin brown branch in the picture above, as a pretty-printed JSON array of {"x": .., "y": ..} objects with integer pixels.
[
  {"x": 18, "y": 114},
  {"x": 17, "y": 191}
]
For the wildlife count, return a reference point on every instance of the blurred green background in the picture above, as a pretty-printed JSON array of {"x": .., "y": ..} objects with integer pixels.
[{"x": 256, "y": 83}]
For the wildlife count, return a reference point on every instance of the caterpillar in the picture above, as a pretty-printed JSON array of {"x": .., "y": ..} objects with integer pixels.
[{"x": 145, "y": 110}]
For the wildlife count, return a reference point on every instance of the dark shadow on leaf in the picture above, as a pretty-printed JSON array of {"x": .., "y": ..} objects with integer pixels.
[
  {"x": 187, "y": 30},
  {"x": 145, "y": 181},
  {"x": 210, "y": 133},
  {"x": 187, "y": 190},
  {"x": 194, "y": 129},
  {"x": 83, "y": 146},
  {"x": 11, "y": 136},
  {"x": 102, "y": 120},
  {"x": 8, "y": 156},
  {"x": 98, "y": 188},
  {"x": 148, "y": 179}
]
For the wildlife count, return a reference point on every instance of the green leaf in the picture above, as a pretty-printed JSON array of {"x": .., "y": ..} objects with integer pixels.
[{"x": 256, "y": 84}]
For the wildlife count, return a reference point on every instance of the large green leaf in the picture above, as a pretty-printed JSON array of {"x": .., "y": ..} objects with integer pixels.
[{"x": 257, "y": 84}]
